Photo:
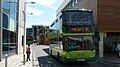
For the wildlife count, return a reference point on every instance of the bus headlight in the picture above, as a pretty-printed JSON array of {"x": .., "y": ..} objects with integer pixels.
[
  {"x": 63, "y": 53},
  {"x": 68, "y": 57},
  {"x": 92, "y": 56}
]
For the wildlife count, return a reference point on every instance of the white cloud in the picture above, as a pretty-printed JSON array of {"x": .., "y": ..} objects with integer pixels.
[
  {"x": 39, "y": 20},
  {"x": 47, "y": 3},
  {"x": 35, "y": 11}
]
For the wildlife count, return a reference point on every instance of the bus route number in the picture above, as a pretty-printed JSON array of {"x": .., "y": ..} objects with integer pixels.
[{"x": 76, "y": 29}]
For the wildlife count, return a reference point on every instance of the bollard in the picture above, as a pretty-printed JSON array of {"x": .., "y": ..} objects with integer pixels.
[
  {"x": 33, "y": 56},
  {"x": 24, "y": 59},
  {"x": 32, "y": 59},
  {"x": 6, "y": 55}
]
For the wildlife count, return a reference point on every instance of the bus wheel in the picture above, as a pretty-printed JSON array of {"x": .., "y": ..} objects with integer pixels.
[
  {"x": 50, "y": 52},
  {"x": 58, "y": 56}
]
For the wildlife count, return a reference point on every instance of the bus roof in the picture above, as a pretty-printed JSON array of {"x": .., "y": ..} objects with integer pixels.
[{"x": 67, "y": 10}]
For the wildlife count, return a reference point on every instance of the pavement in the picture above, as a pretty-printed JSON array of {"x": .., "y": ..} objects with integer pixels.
[
  {"x": 109, "y": 58},
  {"x": 17, "y": 61},
  {"x": 32, "y": 63}
]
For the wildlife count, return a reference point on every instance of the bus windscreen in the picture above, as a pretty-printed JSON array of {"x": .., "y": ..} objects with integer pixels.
[
  {"x": 78, "y": 43},
  {"x": 77, "y": 18}
]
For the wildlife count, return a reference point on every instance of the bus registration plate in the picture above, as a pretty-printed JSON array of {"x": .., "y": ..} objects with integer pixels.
[{"x": 80, "y": 59}]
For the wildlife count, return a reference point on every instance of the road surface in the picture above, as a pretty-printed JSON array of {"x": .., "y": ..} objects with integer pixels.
[{"x": 42, "y": 55}]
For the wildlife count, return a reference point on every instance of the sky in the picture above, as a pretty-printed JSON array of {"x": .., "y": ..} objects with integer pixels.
[{"x": 44, "y": 12}]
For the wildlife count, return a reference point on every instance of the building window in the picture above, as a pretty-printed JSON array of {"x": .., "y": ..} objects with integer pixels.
[
  {"x": 70, "y": 4},
  {"x": 9, "y": 36},
  {"x": 9, "y": 49},
  {"x": 13, "y": 37},
  {"x": 9, "y": 42},
  {"x": 6, "y": 7},
  {"x": 5, "y": 36},
  {"x": 73, "y": 3},
  {"x": 9, "y": 28},
  {"x": 5, "y": 21},
  {"x": 69, "y": 7},
  {"x": 5, "y": 50},
  {"x": 12, "y": 19},
  {"x": 9, "y": 19},
  {"x": 76, "y": 1},
  {"x": 23, "y": 15}
]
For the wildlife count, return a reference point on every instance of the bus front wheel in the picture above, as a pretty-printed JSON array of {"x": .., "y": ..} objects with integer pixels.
[
  {"x": 50, "y": 52},
  {"x": 58, "y": 56}
]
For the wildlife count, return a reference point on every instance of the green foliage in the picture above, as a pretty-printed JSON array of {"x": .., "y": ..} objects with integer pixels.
[
  {"x": 52, "y": 35},
  {"x": 44, "y": 31},
  {"x": 29, "y": 40}
]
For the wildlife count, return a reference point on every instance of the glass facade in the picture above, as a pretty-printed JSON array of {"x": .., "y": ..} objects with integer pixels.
[{"x": 9, "y": 27}]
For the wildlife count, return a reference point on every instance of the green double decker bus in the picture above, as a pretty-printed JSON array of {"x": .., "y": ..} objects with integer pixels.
[{"x": 73, "y": 36}]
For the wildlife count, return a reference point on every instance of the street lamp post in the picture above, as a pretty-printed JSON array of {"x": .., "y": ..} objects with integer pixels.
[
  {"x": 45, "y": 34},
  {"x": 1, "y": 29},
  {"x": 24, "y": 46}
]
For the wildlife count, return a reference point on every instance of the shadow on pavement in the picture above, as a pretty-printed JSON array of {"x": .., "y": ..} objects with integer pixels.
[{"x": 47, "y": 61}]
